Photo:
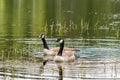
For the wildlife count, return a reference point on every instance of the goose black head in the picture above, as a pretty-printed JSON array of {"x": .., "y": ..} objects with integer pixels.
[
  {"x": 59, "y": 40},
  {"x": 42, "y": 36}
]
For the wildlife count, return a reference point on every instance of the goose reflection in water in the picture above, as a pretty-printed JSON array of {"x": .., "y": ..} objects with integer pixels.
[
  {"x": 56, "y": 66},
  {"x": 60, "y": 72}
]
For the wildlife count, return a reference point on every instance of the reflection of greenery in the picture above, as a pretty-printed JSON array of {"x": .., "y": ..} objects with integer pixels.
[
  {"x": 59, "y": 16},
  {"x": 68, "y": 18}
]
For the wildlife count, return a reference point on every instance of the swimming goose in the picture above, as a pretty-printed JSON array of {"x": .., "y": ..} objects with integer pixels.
[
  {"x": 52, "y": 51},
  {"x": 46, "y": 50},
  {"x": 64, "y": 56}
]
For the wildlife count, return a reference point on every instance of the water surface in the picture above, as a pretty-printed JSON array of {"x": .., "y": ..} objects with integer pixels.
[{"x": 94, "y": 61}]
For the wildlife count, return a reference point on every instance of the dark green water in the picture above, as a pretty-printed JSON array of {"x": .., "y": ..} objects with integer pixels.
[{"x": 92, "y": 26}]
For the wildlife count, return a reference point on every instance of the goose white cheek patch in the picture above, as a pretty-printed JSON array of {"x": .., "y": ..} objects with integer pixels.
[
  {"x": 61, "y": 41},
  {"x": 42, "y": 36}
]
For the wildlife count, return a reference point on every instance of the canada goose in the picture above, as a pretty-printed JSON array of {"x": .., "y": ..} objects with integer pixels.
[
  {"x": 64, "y": 56},
  {"x": 52, "y": 51},
  {"x": 47, "y": 51}
]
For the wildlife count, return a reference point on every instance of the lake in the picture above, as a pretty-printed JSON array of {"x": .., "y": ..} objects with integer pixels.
[{"x": 91, "y": 26}]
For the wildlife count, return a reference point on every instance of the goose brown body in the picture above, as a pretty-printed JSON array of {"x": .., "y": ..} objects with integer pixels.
[{"x": 54, "y": 51}]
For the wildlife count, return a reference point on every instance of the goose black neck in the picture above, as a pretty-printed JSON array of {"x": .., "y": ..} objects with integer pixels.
[
  {"x": 61, "y": 49},
  {"x": 44, "y": 43}
]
